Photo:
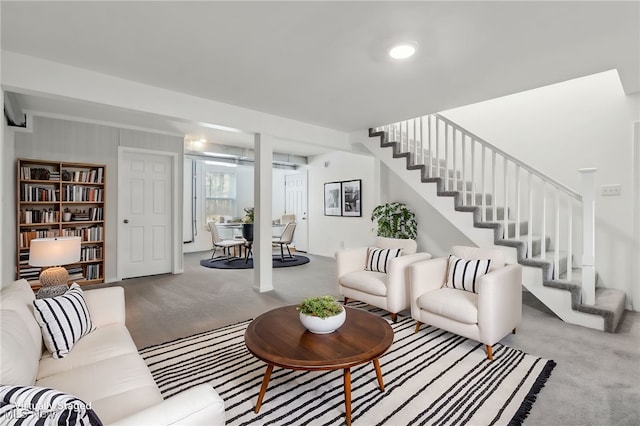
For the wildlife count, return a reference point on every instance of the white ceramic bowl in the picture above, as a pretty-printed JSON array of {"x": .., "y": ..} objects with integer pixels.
[{"x": 319, "y": 325}]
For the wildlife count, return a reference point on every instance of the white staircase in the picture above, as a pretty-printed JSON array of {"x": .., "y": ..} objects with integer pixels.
[{"x": 498, "y": 200}]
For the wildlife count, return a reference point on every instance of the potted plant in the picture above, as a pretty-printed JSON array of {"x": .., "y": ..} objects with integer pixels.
[
  {"x": 247, "y": 226},
  {"x": 395, "y": 220},
  {"x": 322, "y": 314}
]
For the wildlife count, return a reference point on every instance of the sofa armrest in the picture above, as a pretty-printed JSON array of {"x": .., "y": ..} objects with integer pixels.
[
  {"x": 425, "y": 276},
  {"x": 499, "y": 302},
  {"x": 106, "y": 305},
  {"x": 199, "y": 405},
  {"x": 398, "y": 280},
  {"x": 350, "y": 260}
]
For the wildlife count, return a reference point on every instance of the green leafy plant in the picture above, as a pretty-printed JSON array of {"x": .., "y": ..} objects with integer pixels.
[
  {"x": 248, "y": 216},
  {"x": 395, "y": 220},
  {"x": 321, "y": 306}
]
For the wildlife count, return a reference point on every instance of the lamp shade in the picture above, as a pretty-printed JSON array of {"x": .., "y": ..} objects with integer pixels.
[{"x": 54, "y": 251}]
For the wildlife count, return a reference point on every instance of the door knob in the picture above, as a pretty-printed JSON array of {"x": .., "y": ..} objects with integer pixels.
[{"x": 126, "y": 221}]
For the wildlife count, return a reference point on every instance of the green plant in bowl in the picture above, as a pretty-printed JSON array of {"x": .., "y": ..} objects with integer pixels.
[{"x": 320, "y": 306}]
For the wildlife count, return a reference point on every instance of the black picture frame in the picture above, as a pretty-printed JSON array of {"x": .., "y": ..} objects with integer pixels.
[
  {"x": 351, "y": 197},
  {"x": 333, "y": 199}
]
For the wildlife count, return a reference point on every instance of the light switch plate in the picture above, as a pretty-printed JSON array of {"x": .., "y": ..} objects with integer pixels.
[{"x": 611, "y": 189}]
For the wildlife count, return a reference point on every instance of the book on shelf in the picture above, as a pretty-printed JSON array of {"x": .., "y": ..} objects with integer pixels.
[
  {"x": 31, "y": 193},
  {"x": 93, "y": 272},
  {"x": 26, "y": 236},
  {"x": 81, "y": 193},
  {"x": 89, "y": 253},
  {"x": 93, "y": 233},
  {"x": 30, "y": 216},
  {"x": 94, "y": 175}
]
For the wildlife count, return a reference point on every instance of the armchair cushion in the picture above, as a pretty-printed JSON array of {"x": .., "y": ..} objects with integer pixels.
[
  {"x": 458, "y": 305},
  {"x": 369, "y": 282},
  {"x": 378, "y": 259},
  {"x": 465, "y": 274}
]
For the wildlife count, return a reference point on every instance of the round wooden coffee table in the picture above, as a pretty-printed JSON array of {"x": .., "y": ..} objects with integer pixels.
[{"x": 278, "y": 338}]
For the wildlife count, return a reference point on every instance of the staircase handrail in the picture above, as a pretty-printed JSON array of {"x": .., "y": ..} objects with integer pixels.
[{"x": 541, "y": 175}]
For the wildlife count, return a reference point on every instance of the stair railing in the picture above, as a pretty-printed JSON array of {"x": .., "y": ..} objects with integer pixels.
[{"x": 508, "y": 191}]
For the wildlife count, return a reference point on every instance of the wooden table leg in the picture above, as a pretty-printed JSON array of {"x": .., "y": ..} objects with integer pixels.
[
  {"x": 347, "y": 394},
  {"x": 376, "y": 364},
  {"x": 263, "y": 388}
]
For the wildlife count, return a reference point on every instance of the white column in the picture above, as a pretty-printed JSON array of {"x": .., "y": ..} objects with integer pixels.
[
  {"x": 262, "y": 195},
  {"x": 588, "y": 236},
  {"x": 3, "y": 196},
  {"x": 635, "y": 289}
]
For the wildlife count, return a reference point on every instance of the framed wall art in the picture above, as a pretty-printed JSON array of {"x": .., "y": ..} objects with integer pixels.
[
  {"x": 351, "y": 198},
  {"x": 332, "y": 199}
]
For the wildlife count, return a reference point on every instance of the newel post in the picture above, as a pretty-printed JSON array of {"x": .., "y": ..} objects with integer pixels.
[{"x": 588, "y": 236}]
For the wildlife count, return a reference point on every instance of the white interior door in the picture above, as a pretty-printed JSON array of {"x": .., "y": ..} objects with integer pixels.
[
  {"x": 296, "y": 203},
  {"x": 144, "y": 214}
]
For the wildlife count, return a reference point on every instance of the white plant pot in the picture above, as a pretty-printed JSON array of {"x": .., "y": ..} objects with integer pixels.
[{"x": 327, "y": 325}]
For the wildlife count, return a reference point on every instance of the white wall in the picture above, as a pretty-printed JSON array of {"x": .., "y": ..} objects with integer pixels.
[
  {"x": 436, "y": 234},
  {"x": 328, "y": 233},
  {"x": 62, "y": 140},
  {"x": 561, "y": 128}
]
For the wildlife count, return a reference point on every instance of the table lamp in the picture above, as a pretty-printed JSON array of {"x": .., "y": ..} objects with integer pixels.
[{"x": 52, "y": 253}]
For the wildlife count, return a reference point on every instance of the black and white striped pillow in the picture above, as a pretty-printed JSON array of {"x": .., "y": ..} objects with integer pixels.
[
  {"x": 464, "y": 274},
  {"x": 64, "y": 320},
  {"x": 378, "y": 259},
  {"x": 33, "y": 405}
]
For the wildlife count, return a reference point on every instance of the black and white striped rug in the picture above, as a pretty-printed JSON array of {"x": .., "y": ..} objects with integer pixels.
[{"x": 431, "y": 378}]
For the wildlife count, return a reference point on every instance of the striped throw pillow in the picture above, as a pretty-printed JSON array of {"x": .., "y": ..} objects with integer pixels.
[
  {"x": 33, "y": 405},
  {"x": 378, "y": 259},
  {"x": 64, "y": 320},
  {"x": 464, "y": 274}
]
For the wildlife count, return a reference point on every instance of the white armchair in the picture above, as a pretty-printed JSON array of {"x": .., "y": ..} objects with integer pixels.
[
  {"x": 486, "y": 316},
  {"x": 388, "y": 291}
]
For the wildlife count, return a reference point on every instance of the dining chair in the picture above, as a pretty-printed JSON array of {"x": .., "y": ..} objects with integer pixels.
[
  {"x": 285, "y": 239},
  {"x": 219, "y": 242}
]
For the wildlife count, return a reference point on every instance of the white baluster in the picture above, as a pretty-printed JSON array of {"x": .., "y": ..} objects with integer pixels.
[
  {"x": 416, "y": 147},
  {"x": 543, "y": 224},
  {"x": 569, "y": 239},
  {"x": 506, "y": 198},
  {"x": 517, "y": 202},
  {"x": 530, "y": 225},
  {"x": 437, "y": 166},
  {"x": 454, "y": 179},
  {"x": 494, "y": 187},
  {"x": 405, "y": 145},
  {"x": 556, "y": 248},
  {"x": 429, "y": 120},
  {"x": 446, "y": 156},
  {"x": 473, "y": 170},
  {"x": 484, "y": 190},
  {"x": 588, "y": 237},
  {"x": 464, "y": 167},
  {"x": 421, "y": 141}
]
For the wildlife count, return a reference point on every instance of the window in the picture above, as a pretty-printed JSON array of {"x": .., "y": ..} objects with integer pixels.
[{"x": 219, "y": 194}]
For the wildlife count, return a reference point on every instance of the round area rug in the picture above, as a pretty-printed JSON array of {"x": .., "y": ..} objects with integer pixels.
[{"x": 240, "y": 264}]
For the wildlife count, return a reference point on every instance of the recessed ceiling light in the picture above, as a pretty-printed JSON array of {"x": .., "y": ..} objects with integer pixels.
[{"x": 403, "y": 50}]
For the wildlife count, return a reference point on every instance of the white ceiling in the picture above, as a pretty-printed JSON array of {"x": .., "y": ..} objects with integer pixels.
[{"x": 325, "y": 62}]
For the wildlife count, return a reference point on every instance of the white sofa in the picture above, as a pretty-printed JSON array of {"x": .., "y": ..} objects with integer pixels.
[{"x": 103, "y": 368}]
